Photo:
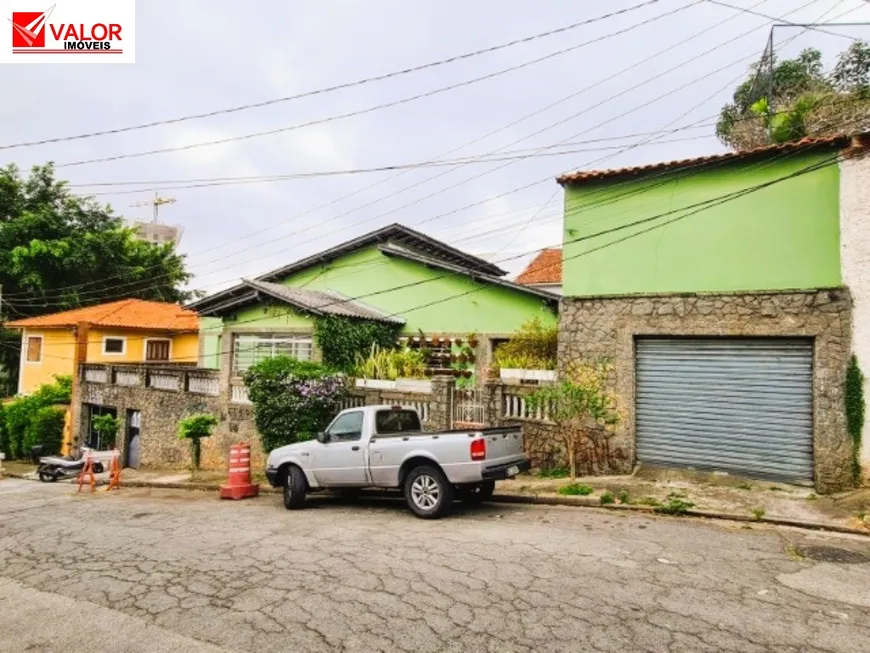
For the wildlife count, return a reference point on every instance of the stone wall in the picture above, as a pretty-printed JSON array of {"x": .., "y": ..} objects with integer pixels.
[
  {"x": 161, "y": 410},
  {"x": 592, "y": 328}
]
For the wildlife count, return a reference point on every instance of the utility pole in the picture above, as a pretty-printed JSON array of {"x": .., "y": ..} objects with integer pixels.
[{"x": 157, "y": 202}]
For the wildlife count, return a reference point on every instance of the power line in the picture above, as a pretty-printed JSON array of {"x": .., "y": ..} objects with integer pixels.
[
  {"x": 698, "y": 206},
  {"x": 548, "y": 177},
  {"x": 377, "y": 107},
  {"x": 207, "y": 182},
  {"x": 805, "y": 26},
  {"x": 336, "y": 87}
]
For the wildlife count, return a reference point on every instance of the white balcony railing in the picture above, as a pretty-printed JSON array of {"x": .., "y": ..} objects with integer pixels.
[
  {"x": 96, "y": 375},
  {"x": 239, "y": 395},
  {"x": 164, "y": 381},
  {"x": 203, "y": 385}
]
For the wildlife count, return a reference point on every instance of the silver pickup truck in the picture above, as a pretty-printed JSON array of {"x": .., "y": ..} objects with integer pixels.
[{"x": 385, "y": 447}]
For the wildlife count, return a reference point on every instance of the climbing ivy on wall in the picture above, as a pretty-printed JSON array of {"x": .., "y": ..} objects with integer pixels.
[
  {"x": 854, "y": 395},
  {"x": 340, "y": 339}
]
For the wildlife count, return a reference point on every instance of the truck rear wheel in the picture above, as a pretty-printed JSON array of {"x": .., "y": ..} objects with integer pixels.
[
  {"x": 428, "y": 492},
  {"x": 295, "y": 488}
]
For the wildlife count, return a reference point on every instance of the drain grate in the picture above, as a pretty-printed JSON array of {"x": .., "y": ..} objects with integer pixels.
[{"x": 833, "y": 554}]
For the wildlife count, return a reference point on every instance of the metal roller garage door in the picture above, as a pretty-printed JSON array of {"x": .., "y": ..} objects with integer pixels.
[{"x": 742, "y": 405}]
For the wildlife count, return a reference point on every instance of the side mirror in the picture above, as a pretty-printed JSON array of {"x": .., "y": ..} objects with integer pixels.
[{"x": 322, "y": 438}]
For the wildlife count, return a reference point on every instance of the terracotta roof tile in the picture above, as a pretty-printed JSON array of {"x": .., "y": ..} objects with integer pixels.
[
  {"x": 124, "y": 314},
  {"x": 545, "y": 268},
  {"x": 581, "y": 176}
]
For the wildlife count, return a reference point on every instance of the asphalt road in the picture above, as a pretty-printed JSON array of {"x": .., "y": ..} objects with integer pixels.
[{"x": 163, "y": 571}]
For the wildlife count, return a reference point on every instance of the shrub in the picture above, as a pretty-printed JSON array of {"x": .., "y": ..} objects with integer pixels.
[
  {"x": 675, "y": 505},
  {"x": 391, "y": 364},
  {"x": 576, "y": 489},
  {"x": 607, "y": 498},
  {"x": 576, "y": 404},
  {"x": 624, "y": 496},
  {"x": 106, "y": 427},
  {"x": 194, "y": 428},
  {"x": 293, "y": 399},
  {"x": 45, "y": 429},
  {"x": 854, "y": 398},
  {"x": 342, "y": 340},
  {"x": 532, "y": 347},
  {"x": 20, "y": 413}
]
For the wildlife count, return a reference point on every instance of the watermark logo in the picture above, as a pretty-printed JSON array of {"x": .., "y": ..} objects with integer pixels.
[{"x": 71, "y": 31}]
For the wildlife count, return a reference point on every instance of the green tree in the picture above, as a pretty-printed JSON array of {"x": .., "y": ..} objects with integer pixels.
[
  {"x": 581, "y": 408},
  {"x": 794, "y": 98},
  {"x": 106, "y": 426},
  {"x": 194, "y": 428},
  {"x": 60, "y": 251},
  {"x": 45, "y": 429},
  {"x": 19, "y": 415}
]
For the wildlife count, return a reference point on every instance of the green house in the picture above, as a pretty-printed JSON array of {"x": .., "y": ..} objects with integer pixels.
[
  {"x": 431, "y": 291},
  {"x": 729, "y": 292}
]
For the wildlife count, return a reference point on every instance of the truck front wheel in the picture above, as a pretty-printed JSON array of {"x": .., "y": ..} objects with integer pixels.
[
  {"x": 295, "y": 488},
  {"x": 428, "y": 492}
]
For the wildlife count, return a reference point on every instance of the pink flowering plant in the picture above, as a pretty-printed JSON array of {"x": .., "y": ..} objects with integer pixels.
[{"x": 293, "y": 400}]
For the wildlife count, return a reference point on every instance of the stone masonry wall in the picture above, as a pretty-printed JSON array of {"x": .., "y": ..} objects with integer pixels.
[
  {"x": 592, "y": 328},
  {"x": 161, "y": 411}
]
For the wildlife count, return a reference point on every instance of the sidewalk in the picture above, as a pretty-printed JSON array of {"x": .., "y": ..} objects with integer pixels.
[{"x": 666, "y": 491}]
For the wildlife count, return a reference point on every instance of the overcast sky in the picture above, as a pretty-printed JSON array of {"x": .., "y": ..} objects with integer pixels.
[{"x": 196, "y": 56}]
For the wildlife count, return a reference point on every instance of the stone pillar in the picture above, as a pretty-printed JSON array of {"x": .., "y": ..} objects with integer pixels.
[
  {"x": 441, "y": 405},
  {"x": 493, "y": 398}
]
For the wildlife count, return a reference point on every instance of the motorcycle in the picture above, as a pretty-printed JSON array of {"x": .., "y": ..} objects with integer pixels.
[{"x": 53, "y": 468}]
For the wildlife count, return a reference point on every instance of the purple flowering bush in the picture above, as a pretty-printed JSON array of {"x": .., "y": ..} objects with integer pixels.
[{"x": 293, "y": 400}]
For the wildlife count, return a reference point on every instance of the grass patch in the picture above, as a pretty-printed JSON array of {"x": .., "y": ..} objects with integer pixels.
[
  {"x": 775, "y": 488},
  {"x": 576, "y": 489},
  {"x": 648, "y": 501},
  {"x": 607, "y": 498},
  {"x": 812, "y": 497},
  {"x": 676, "y": 504},
  {"x": 758, "y": 513},
  {"x": 744, "y": 486},
  {"x": 794, "y": 553},
  {"x": 554, "y": 472}
]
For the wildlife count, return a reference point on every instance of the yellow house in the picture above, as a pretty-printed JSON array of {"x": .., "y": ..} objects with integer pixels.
[{"x": 126, "y": 331}]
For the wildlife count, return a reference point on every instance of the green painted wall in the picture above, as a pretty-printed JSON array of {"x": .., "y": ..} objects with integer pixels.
[
  {"x": 209, "y": 333},
  {"x": 785, "y": 236},
  {"x": 360, "y": 274},
  {"x": 266, "y": 317}
]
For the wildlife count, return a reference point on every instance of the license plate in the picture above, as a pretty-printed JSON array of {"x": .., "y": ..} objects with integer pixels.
[{"x": 513, "y": 470}]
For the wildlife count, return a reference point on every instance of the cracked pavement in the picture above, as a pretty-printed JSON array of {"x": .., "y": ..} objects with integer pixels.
[{"x": 159, "y": 570}]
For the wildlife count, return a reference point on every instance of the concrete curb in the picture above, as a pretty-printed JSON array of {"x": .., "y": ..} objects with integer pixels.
[
  {"x": 587, "y": 502},
  {"x": 532, "y": 499}
]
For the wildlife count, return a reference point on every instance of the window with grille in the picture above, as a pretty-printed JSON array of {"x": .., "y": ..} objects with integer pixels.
[
  {"x": 250, "y": 349},
  {"x": 157, "y": 350},
  {"x": 34, "y": 349}
]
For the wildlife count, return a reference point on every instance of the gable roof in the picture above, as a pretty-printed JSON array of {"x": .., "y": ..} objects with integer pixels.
[
  {"x": 123, "y": 314},
  {"x": 838, "y": 141},
  {"x": 407, "y": 238},
  {"x": 319, "y": 302},
  {"x": 392, "y": 233},
  {"x": 546, "y": 267},
  {"x": 393, "y": 250}
]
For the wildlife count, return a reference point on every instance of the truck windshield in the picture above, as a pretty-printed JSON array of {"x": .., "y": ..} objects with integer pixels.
[{"x": 396, "y": 421}]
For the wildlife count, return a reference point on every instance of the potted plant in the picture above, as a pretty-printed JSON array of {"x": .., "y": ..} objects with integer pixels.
[
  {"x": 472, "y": 340},
  {"x": 530, "y": 354},
  {"x": 194, "y": 428},
  {"x": 393, "y": 369}
]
